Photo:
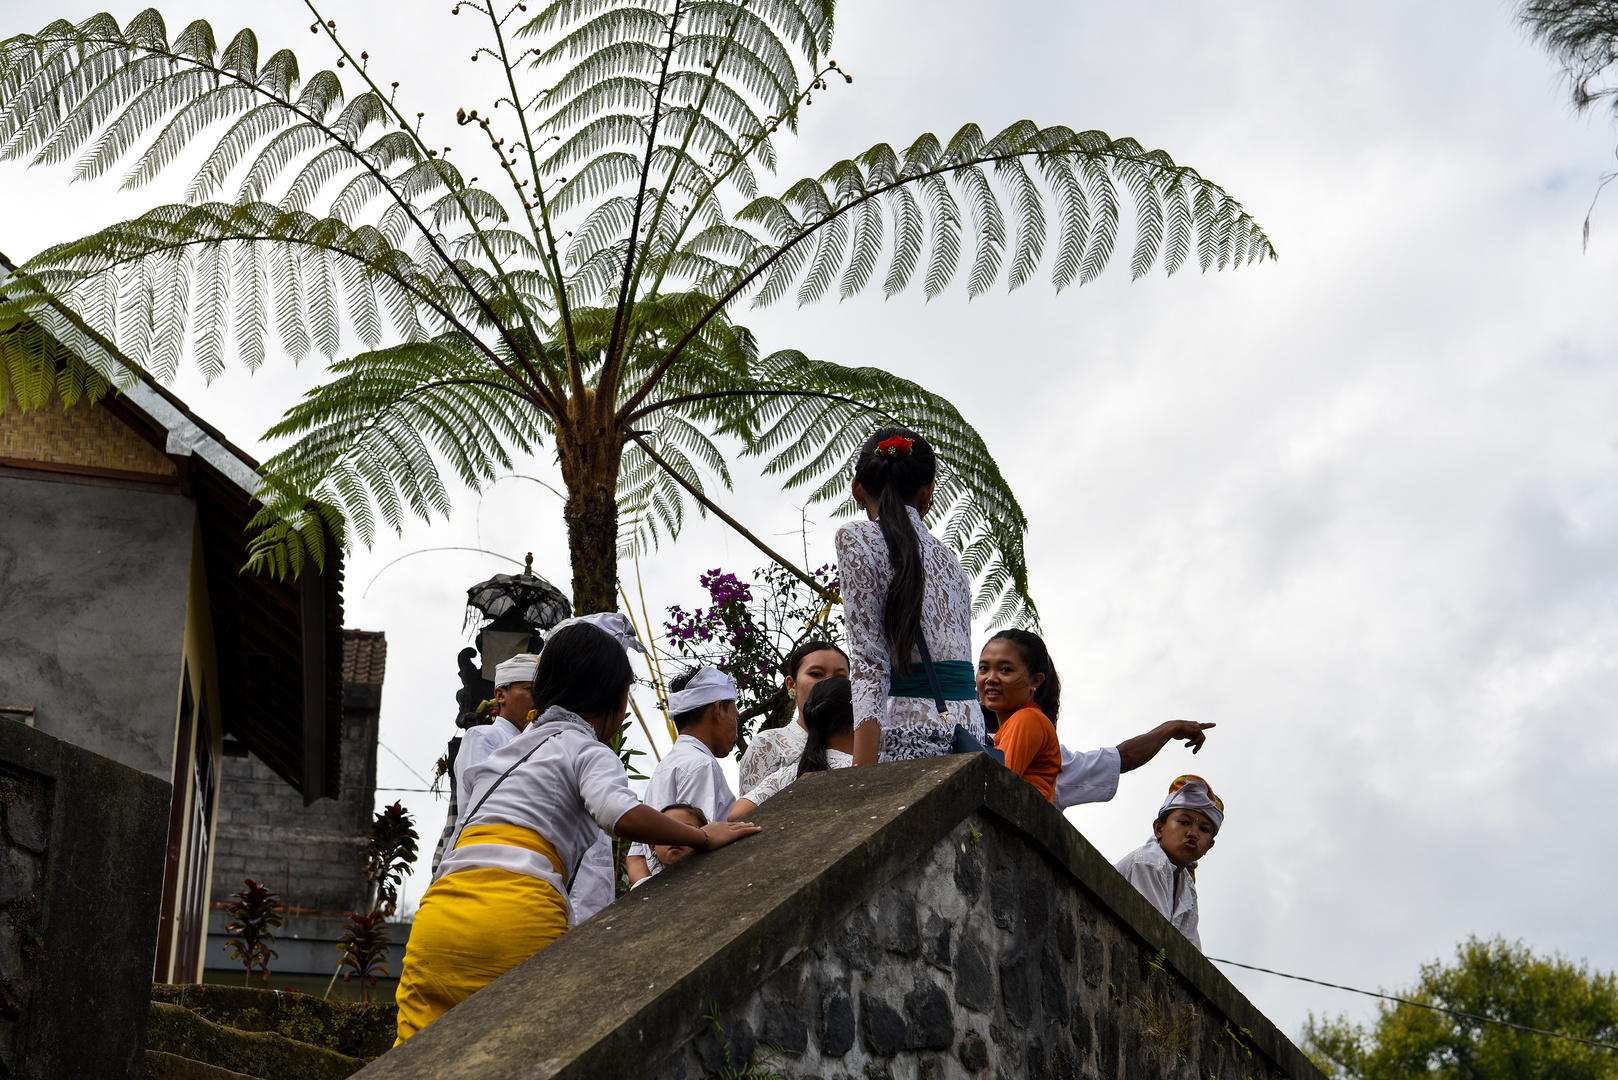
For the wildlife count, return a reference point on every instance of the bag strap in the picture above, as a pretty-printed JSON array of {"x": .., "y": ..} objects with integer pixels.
[
  {"x": 932, "y": 674},
  {"x": 926, "y": 653},
  {"x": 473, "y": 812}
]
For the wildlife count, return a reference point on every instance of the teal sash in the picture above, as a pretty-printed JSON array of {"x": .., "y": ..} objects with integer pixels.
[{"x": 957, "y": 678}]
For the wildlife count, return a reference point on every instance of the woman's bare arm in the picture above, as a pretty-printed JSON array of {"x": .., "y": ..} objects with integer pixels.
[{"x": 867, "y": 742}]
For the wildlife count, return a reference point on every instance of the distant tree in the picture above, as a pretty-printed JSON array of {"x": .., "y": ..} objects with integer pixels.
[
  {"x": 584, "y": 293},
  {"x": 253, "y": 913},
  {"x": 1583, "y": 36},
  {"x": 1494, "y": 979}
]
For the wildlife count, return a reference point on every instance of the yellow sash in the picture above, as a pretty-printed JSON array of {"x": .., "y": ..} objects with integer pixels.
[{"x": 513, "y": 836}]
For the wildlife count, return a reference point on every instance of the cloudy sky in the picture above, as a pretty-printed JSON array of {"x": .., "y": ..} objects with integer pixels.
[{"x": 1358, "y": 507}]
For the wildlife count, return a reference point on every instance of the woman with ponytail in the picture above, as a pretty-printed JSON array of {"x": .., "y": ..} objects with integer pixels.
[
  {"x": 903, "y": 590},
  {"x": 828, "y": 718}
]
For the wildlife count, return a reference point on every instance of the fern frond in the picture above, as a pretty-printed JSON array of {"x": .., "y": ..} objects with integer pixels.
[
  {"x": 1077, "y": 181},
  {"x": 806, "y": 419}
]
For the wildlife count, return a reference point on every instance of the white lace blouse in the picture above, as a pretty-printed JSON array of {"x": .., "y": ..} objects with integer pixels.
[
  {"x": 911, "y": 727},
  {"x": 770, "y": 750},
  {"x": 777, "y": 781}
]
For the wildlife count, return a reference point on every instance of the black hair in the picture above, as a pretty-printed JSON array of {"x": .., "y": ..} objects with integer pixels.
[
  {"x": 893, "y": 480},
  {"x": 694, "y": 811},
  {"x": 805, "y": 649},
  {"x": 829, "y": 711},
  {"x": 685, "y": 719},
  {"x": 1037, "y": 659},
  {"x": 583, "y": 669}
]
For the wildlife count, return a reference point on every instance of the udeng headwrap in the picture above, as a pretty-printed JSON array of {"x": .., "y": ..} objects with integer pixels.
[
  {"x": 707, "y": 686},
  {"x": 621, "y": 629},
  {"x": 519, "y": 668},
  {"x": 1193, "y": 793}
]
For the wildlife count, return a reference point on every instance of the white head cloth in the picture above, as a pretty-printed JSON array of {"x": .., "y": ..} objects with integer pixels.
[
  {"x": 612, "y": 622},
  {"x": 707, "y": 686},
  {"x": 519, "y": 668},
  {"x": 1193, "y": 793}
]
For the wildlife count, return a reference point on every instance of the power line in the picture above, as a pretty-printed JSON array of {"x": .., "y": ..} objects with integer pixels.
[
  {"x": 233, "y": 781},
  {"x": 403, "y": 762},
  {"x": 1420, "y": 1005}
]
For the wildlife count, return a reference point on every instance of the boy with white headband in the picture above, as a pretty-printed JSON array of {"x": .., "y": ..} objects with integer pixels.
[
  {"x": 702, "y": 704},
  {"x": 1164, "y": 868},
  {"x": 513, "y": 698},
  {"x": 513, "y": 687}
]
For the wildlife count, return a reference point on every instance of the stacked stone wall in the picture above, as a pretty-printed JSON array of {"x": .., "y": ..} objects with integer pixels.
[
  {"x": 916, "y": 920},
  {"x": 984, "y": 959},
  {"x": 25, "y": 832}
]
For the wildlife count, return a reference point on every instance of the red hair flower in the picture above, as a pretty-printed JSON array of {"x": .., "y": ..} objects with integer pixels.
[{"x": 895, "y": 446}]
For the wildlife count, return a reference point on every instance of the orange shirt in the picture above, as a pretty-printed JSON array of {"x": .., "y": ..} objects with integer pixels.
[{"x": 1032, "y": 750}]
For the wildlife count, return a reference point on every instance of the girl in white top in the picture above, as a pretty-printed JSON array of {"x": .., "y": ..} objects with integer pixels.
[
  {"x": 535, "y": 807},
  {"x": 773, "y": 748},
  {"x": 899, "y": 581},
  {"x": 829, "y": 715}
]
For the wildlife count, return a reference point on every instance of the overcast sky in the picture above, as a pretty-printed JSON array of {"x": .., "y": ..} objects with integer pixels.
[{"x": 1357, "y": 507}]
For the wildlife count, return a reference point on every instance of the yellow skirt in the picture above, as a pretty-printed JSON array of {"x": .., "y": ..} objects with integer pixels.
[{"x": 474, "y": 926}]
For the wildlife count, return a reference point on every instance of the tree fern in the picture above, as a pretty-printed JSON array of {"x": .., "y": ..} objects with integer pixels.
[{"x": 586, "y": 294}]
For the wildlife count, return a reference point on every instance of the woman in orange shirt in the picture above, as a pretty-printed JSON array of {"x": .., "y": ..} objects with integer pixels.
[{"x": 1017, "y": 683}]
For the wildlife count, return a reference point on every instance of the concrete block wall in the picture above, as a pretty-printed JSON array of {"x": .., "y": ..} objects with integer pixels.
[
  {"x": 310, "y": 855},
  {"x": 24, "y": 837}
]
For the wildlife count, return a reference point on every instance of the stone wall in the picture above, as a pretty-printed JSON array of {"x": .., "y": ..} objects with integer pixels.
[
  {"x": 921, "y": 919},
  {"x": 26, "y": 814},
  {"x": 82, "y": 873},
  {"x": 979, "y": 960}
]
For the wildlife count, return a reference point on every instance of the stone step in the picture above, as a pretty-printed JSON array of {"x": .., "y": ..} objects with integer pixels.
[
  {"x": 177, "y": 1031},
  {"x": 348, "y": 1027},
  {"x": 161, "y": 1066}
]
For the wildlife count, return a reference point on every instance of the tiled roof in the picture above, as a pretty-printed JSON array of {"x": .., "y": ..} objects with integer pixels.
[{"x": 365, "y": 656}]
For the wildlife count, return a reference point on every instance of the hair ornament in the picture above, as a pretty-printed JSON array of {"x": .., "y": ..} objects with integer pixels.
[{"x": 896, "y": 446}]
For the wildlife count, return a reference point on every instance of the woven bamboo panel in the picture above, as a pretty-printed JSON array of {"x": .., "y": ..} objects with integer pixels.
[{"x": 83, "y": 435}]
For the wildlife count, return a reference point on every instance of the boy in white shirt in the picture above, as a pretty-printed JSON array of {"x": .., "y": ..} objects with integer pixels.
[
  {"x": 702, "y": 704},
  {"x": 513, "y": 698},
  {"x": 1164, "y": 868}
]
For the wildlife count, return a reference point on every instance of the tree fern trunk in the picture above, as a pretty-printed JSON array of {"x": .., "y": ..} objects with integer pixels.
[{"x": 589, "y": 460}]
